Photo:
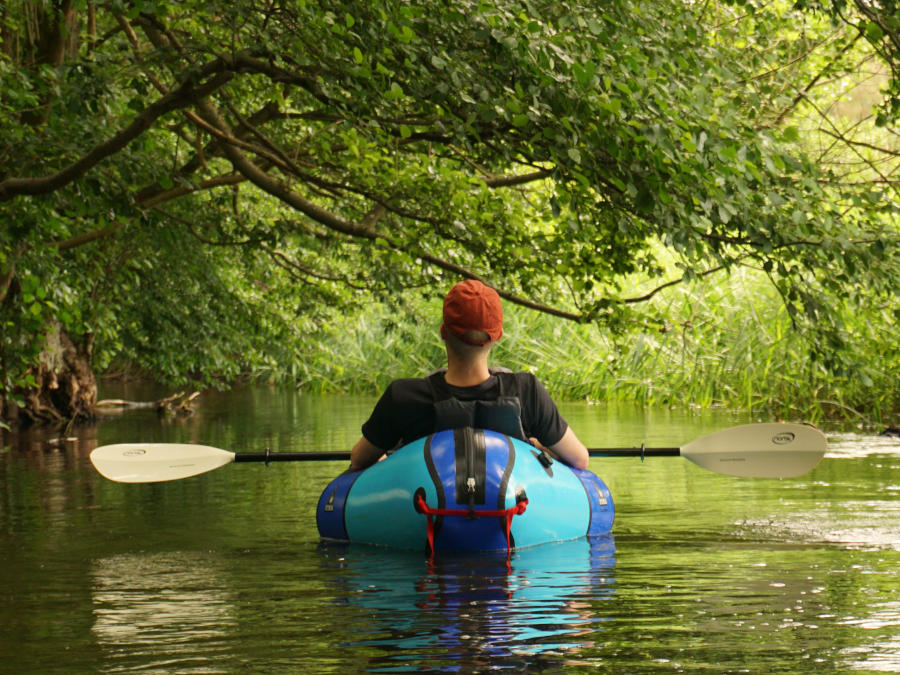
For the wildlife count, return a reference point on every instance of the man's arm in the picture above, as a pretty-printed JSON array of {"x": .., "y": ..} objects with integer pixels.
[
  {"x": 567, "y": 449},
  {"x": 571, "y": 450},
  {"x": 364, "y": 454}
]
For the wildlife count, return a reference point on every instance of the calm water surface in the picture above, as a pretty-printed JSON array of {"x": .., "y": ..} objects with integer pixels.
[{"x": 224, "y": 573}]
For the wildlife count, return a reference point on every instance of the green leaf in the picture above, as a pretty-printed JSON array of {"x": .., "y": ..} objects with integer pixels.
[
  {"x": 790, "y": 134},
  {"x": 874, "y": 32},
  {"x": 394, "y": 93}
]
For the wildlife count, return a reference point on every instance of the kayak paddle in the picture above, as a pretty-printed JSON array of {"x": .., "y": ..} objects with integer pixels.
[
  {"x": 751, "y": 450},
  {"x": 770, "y": 450}
]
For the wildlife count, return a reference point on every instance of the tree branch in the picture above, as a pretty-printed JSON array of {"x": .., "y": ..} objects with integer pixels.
[
  {"x": 334, "y": 222},
  {"x": 6, "y": 281},
  {"x": 296, "y": 270},
  {"x": 836, "y": 132},
  {"x": 86, "y": 238},
  {"x": 181, "y": 97},
  {"x": 673, "y": 282},
  {"x": 803, "y": 94},
  {"x": 511, "y": 181},
  {"x": 151, "y": 198},
  {"x": 862, "y": 144}
]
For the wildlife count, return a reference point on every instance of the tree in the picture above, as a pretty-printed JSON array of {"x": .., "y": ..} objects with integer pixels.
[
  {"x": 879, "y": 25},
  {"x": 302, "y": 154}
]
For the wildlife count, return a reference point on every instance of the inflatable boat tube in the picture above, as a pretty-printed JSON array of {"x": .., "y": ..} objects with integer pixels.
[{"x": 464, "y": 490}]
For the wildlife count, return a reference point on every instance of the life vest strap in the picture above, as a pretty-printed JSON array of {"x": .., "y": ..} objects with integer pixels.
[{"x": 506, "y": 514}]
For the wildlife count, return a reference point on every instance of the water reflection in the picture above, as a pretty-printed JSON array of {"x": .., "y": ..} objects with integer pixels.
[
  {"x": 167, "y": 612},
  {"x": 863, "y": 511},
  {"x": 469, "y": 612},
  {"x": 852, "y": 445},
  {"x": 224, "y": 573},
  {"x": 884, "y": 654}
]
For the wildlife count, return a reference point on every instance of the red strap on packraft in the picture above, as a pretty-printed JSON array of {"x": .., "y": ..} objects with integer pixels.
[{"x": 508, "y": 514}]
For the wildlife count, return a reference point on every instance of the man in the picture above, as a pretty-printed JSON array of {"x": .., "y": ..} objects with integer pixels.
[{"x": 468, "y": 393}]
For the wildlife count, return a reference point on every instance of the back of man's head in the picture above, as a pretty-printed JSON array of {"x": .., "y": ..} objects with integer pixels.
[{"x": 472, "y": 314}]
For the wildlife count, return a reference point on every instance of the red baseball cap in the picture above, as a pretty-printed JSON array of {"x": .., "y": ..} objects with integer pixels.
[{"x": 470, "y": 305}]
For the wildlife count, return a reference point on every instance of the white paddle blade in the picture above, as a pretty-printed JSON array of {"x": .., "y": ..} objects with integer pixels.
[
  {"x": 154, "y": 462},
  {"x": 759, "y": 450}
]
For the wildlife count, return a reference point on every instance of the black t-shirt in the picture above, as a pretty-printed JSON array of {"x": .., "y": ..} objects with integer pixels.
[{"x": 405, "y": 411}]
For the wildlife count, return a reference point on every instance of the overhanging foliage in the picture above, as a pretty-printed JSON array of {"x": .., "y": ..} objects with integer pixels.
[{"x": 185, "y": 179}]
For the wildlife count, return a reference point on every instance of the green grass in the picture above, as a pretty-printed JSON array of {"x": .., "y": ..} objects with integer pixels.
[{"x": 727, "y": 345}]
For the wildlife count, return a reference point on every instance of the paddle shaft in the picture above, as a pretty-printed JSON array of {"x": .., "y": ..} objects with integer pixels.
[
  {"x": 764, "y": 450},
  {"x": 634, "y": 452},
  {"x": 291, "y": 456},
  {"x": 345, "y": 456}
]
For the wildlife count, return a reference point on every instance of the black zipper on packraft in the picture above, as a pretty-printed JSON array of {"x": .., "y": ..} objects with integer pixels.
[
  {"x": 470, "y": 465},
  {"x": 470, "y": 472}
]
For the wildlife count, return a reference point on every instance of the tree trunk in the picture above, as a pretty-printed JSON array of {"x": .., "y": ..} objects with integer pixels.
[
  {"x": 66, "y": 388},
  {"x": 48, "y": 34}
]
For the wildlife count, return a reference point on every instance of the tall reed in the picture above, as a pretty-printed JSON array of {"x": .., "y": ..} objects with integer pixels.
[{"x": 729, "y": 344}]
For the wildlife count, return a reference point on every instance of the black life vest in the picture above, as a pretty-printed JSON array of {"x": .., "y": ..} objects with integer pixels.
[{"x": 502, "y": 414}]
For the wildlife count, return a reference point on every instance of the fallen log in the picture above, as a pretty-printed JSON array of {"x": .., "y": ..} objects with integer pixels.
[
  {"x": 176, "y": 404},
  {"x": 122, "y": 403}
]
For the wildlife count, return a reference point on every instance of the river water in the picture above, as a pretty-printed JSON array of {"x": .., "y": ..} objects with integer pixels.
[{"x": 224, "y": 572}]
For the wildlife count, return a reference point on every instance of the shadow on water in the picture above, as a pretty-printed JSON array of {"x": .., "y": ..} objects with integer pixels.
[{"x": 465, "y": 613}]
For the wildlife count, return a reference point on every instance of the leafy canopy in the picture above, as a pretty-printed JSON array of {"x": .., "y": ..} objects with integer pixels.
[{"x": 198, "y": 185}]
